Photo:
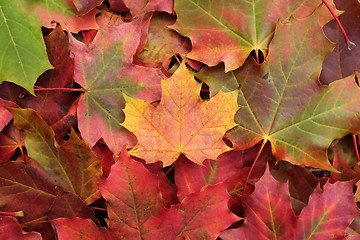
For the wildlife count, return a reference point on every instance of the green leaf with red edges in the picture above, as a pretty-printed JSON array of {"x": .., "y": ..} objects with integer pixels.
[
  {"x": 62, "y": 11},
  {"x": 268, "y": 213},
  {"x": 343, "y": 61},
  {"x": 181, "y": 123},
  {"x": 229, "y": 30},
  {"x": 10, "y": 229},
  {"x": 73, "y": 166},
  {"x": 282, "y": 101},
  {"x": 133, "y": 196},
  {"x": 105, "y": 70},
  {"x": 203, "y": 215},
  {"x": 79, "y": 229}
]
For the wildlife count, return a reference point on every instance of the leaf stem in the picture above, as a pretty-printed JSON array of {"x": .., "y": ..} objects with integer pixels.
[
  {"x": 170, "y": 168},
  {"x": 14, "y": 214},
  {"x": 253, "y": 165},
  {"x": 356, "y": 147},
  {"x": 257, "y": 56},
  {"x": 37, "y": 88},
  {"x": 347, "y": 40},
  {"x": 99, "y": 208}
]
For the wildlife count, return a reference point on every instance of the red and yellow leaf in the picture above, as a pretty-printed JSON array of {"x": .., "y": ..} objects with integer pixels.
[{"x": 181, "y": 123}]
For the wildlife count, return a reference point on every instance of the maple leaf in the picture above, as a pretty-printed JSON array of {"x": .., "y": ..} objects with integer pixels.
[
  {"x": 199, "y": 216},
  {"x": 133, "y": 196},
  {"x": 182, "y": 123},
  {"x": 23, "y": 56},
  {"x": 343, "y": 61},
  {"x": 268, "y": 213},
  {"x": 78, "y": 229},
  {"x": 5, "y": 115},
  {"x": 72, "y": 165},
  {"x": 63, "y": 12},
  {"x": 229, "y": 167},
  {"x": 283, "y": 102},
  {"x": 10, "y": 140},
  {"x": 85, "y": 6},
  {"x": 230, "y": 30},
  {"x": 53, "y": 105},
  {"x": 10, "y": 229},
  {"x": 301, "y": 183},
  {"x": 162, "y": 42},
  {"x": 104, "y": 68},
  {"x": 25, "y": 187}
]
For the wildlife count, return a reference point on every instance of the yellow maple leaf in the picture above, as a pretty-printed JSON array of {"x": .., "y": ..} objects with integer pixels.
[{"x": 181, "y": 123}]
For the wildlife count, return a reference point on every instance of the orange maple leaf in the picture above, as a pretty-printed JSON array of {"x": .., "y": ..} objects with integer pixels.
[{"x": 182, "y": 123}]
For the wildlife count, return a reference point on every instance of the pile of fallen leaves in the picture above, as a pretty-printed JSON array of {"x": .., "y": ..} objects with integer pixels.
[{"x": 185, "y": 119}]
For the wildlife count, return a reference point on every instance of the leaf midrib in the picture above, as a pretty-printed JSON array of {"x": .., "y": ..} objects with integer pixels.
[{"x": 14, "y": 43}]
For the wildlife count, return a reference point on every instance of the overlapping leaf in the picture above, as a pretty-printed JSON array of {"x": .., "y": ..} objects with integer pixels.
[
  {"x": 23, "y": 56},
  {"x": 200, "y": 216},
  {"x": 139, "y": 7},
  {"x": 282, "y": 101},
  {"x": 78, "y": 229},
  {"x": 133, "y": 196},
  {"x": 268, "y": 213},
  {"x": 72, "y": 165},
  {"x": 53, "y": 105},
  {"x": 85, "y": 6},
  {"x": 343, "y": 61},
  {"x": 10, "y": 229},
  {"x": 10, "y": 140},
  {"x": 62, "y": 11},
  {"x": 25, "y": 187},
  {"x": 229, "y": 30},
  {"x": 229, "y": 168},
  {"x": 182, "y": 123},
  {"x": 162, "y": 42},
  {"x": 104, "y": 68}
]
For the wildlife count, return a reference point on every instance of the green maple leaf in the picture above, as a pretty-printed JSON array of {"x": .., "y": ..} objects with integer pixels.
[
  {"x": 282, "y": 101},
  {"x": 23, "y": 55}
]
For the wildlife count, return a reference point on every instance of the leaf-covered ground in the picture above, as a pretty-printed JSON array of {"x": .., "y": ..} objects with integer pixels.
[{"x": 179, "y": 119}]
